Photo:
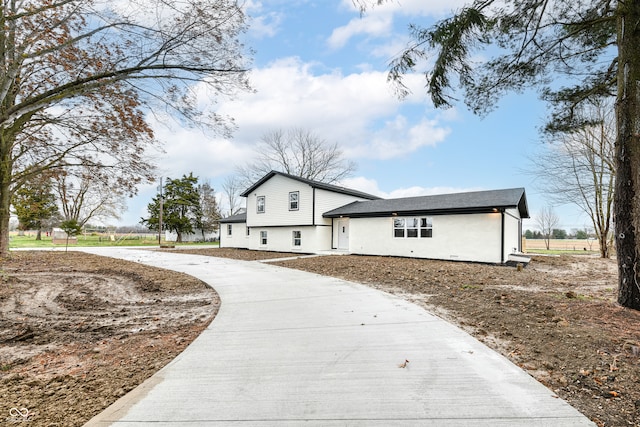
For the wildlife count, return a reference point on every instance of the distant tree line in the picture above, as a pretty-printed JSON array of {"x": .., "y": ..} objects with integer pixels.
[{"x": 558, "y": 233}]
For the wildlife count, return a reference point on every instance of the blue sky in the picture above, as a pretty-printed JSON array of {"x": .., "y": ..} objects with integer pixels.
[{"x": 320, "y": 66}]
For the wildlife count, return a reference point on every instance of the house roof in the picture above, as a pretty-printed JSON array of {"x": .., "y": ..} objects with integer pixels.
[
  {"x": 241, "y": 217},
  {"x": 471, "y": 202},
  {"x": 313, "y": 184}
]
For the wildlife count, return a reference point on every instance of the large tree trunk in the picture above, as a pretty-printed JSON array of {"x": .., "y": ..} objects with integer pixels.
[
  {"x": 6, "y": 167},
  {"x": 627, "y": 203},
  {"x": 4, "y": 223}
]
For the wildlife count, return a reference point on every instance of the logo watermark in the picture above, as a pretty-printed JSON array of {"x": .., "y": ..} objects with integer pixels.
[{"x": 18, "y": 415}]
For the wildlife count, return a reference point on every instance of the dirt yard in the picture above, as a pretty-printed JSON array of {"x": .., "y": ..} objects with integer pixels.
[{"x": 79, "y": 331}]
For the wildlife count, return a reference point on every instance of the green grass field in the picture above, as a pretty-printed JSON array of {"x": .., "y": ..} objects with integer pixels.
[{"x": 29, "y": 241}]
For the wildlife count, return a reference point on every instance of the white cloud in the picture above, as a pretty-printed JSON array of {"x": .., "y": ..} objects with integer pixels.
[
  {"x": 415, "y": 8},
  {"x": 372, "y": 25},
  {"x": 262, "y": 26},
  {"x": 377, "y": 21},
  {"x": 358, "y": 111},
  {"x": 399, "y": 138},
  {"x": 190, "y": 150},
  {"x": 370, "y": 186}
]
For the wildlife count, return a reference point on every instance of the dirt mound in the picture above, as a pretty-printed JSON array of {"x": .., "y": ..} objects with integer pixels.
[{"x": 78, "y": 331}]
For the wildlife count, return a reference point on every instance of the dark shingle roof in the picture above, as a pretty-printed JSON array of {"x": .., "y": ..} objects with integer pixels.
[
  {"x": 241, "y": 217},
  {"x": 315, "y": 184},
  {"x": 472, "y": 202}
]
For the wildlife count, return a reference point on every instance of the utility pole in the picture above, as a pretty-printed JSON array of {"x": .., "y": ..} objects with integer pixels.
[{"x": 160, "y": 215}]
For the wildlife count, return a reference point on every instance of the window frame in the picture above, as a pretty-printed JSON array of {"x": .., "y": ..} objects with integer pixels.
[
  {"x": 263, "y": 238},
  {"x": 296, "y": 236},
  {"x": 229, "y": 229},
  {"x": 415, "y": 227},
  {"x": 399, "y": 228},
  {"x": 297, "y": 201},
  {"x": 261, "y": 202}
]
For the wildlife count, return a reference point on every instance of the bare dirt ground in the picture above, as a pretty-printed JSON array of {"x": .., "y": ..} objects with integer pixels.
[{"x": 78, "y": 331}]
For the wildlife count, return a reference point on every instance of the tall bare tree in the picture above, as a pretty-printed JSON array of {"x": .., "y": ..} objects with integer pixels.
[
  {"x": 547, "y": 220},
  {"x": 579, "y": 167},
  {"x": 87, "y": 194},
  {"x": 572, "y": 51},
  {"x": 297, "y": 152},
  {"x": 232, "y": 187},
  {"x": 78, "y": 77},
  {"x": 208, "y": 219}
]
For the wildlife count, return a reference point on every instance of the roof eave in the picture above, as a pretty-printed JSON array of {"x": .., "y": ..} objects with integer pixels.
[
  {"x": 418, "y": 212},
  {"x": 312, "y": 184}
]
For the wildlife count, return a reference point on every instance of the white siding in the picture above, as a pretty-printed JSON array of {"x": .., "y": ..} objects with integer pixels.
[
  {"x": 238, "y": 237},
  {"x": 280, "y": 239},
  {"x": 276, "y": 192},
  {"x": 328, "y": 200},
  {"x": 472, "y": 237}
]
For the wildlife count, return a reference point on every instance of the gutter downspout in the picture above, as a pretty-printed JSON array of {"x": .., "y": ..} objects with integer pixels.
[{"x": 313, "y": 207}]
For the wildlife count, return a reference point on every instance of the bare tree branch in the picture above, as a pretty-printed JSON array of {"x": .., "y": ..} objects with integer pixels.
[{"x": 297, "y": 152}]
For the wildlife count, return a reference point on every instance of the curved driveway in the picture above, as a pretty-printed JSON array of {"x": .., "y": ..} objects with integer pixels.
[{"x": 292, "y": 348}]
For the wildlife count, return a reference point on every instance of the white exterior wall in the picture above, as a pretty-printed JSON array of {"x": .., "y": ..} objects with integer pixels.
[
  {"x": 328, "y": 200},
  {"x": 470, "y": 237},
  {"x": 279, "y": 221},
  {"x": 512, "y": 232},
  {"x": 280, "y": 239},
  {"x": 276, "y": 191},
  {"x": 238, "y": 238}
]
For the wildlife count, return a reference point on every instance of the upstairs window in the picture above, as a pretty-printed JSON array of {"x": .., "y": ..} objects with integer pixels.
[
  {"x": 294, "y": 197},
  {"x": 260, "y": 203},
  {"x": 413, "y": 228}
]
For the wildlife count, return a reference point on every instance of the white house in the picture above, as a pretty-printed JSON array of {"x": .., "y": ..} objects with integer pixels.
[
  {"x": 291, "y": 214},
  {"x": 285, "y": 213}
]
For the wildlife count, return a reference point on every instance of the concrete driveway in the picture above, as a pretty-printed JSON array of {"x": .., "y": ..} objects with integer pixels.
[{"x": 292, "y": 348}]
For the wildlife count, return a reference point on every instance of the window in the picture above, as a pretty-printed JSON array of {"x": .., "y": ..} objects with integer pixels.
[
  {"x": 398, "y": 227},
  {"x": 260, "y": 202},
  {"x": 248, "y": 231},
  {"x": 229, "y": 229},
  {"x": 412, "y": 228},
  {"x": 263, "y": 237},
  {"x": 426, "y": 227},
  {"x": 297, "y": 238},
  {"x": 294, "y": 196}
]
